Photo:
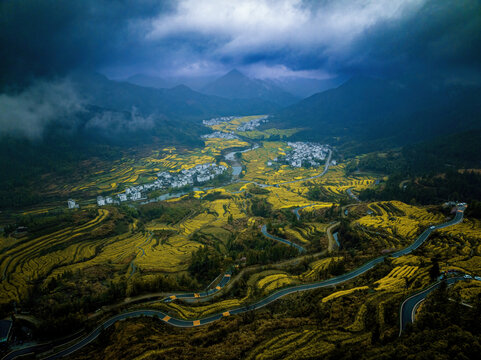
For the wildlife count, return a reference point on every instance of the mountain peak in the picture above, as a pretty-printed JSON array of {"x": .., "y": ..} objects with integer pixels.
[
  {"x": 235, "y": 85},
  {"x": 235, "y": 73}
]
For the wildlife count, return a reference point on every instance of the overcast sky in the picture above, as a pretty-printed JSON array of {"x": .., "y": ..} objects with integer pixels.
[{"x": 264, "y": 38}]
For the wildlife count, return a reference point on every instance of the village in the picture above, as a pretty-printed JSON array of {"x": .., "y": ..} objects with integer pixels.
[
  {"x": 196, "y": 175},
  {"x": 252, "y": 124},
  {"x": 219, "y": 120},
  {"x": 221, "y": 135},
  {"x": 303, "y": 154}
]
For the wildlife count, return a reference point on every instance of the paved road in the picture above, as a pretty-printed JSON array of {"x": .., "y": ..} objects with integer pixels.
[
  {"x": 261, "y": 303},
  {"x": 351, "y": 194},
  {"x": 296, "y": 210},
  {"x": 457, "y": 219},
  {"x": 330, "y": 237},
  {"x": 408, "y": 307},
  {"x": 276, "y": 238},
  {"x": 204, "y": 294}
]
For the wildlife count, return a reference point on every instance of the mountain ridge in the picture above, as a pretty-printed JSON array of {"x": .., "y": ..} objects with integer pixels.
[
  {"x": 376, "y": 111},
  {"x": 236, "y": 85}
]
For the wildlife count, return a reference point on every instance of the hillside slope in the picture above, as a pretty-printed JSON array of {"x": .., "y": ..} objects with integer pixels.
[{"x": 380, "y": 113}]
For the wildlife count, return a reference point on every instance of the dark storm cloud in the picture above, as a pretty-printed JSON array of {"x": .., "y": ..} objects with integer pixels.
[
  {"x": 41, "y": 41},
  {"x": 442, "y": 37},
  {"x": 193, "y": 37},
  {"x": 342, "y": 36},
  {"x": 265, "y": 37},
  {"x": 51, "y": 37}
]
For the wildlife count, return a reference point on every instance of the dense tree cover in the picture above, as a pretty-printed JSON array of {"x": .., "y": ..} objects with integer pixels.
[
  {"x": 444, "y": 153},
  {"x": 428, "y": 172},
  {"x": 49, "y": 222},
  {"x": 216, "y": 195},
  {"x": 366, "y": 114},
  {"x": 474, "y": 209},
  {"x": 316, "y": 193},
  {"x": 257, "y": 190},
  {"x": 391, "y": 162},
  {"x": 449, "y": 186},
  {"x": 444, "y": 329},
  {"x": 28, "y": 160},
  {"x": 260, "y": 207},
  {"x": 61, "y": 152},
  {"x": 205, "y": 264},
  {"x": 63, "y": 302}
]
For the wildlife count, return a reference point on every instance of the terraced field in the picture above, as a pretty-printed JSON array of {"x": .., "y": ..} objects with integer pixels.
[
  {"x": 281, "y": 198},
  {"x": 397, "y": 279},
  {"x": 267, "y": 134},
  {"x": 172, "y": 256},
  {"x": 304, "y": 233},
  {"x": 24, "y": 262},
  {"x": 398, "y": 219},
  {"x": 257, "y": 169},
  {"x": 303, "y": 344},
  {"x": 197, "y": 311},
  {"x": 232, "y": 125}
]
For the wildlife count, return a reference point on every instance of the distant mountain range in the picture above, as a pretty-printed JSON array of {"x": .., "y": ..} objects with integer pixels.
[
  {"x": 241, "y": 86},
  {"x": 179, "y": 103},
  {"x": 113, "y": 117},
  {"x": 235, "y": 85},
  {"x": 375, "y": 113},
  {"x": 195, "y": 83},
  {"x": 302, "y": 87}
]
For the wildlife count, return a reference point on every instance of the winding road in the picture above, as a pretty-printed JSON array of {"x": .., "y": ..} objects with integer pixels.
[
  {"x": 407, "y": 310},
  {"x": 204, "y": 294},
  {"x": 296, "y": 210},
  {"x": 276, "y": 238},
  {"x": 259, "y": 304},
  {"x": 351, "y": 194}
]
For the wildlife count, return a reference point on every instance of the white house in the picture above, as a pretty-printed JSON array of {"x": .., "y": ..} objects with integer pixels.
[
  {"x": 71, "y": 204},
  {"x": 135, "y": 195},
  {"x": 100, "y": 201},
  {"x": 123, "y": 197}
]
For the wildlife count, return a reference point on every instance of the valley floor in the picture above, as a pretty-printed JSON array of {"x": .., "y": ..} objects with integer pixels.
[{"x": 225, "y": 249}]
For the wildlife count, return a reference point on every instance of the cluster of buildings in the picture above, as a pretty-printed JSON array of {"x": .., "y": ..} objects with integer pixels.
[
  {"x": 251, "y": 125},
  {"x": 220, "y": 135},
  {"x": 133, "y": 193},
  {"x": 304, "y": 154},
  {"x": 198, "y": 174},
  {"x": 219, "y": 120}
]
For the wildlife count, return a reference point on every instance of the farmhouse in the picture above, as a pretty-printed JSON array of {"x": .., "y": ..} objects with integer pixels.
[
  {"x": 100, "y": 201},
  {"x": 71, "y": 204}
]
